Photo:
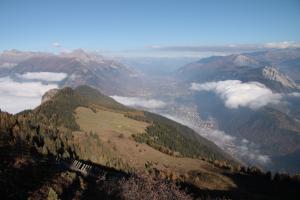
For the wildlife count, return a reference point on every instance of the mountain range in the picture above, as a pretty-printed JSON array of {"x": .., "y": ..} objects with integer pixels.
[
  {"x": 274, "y": 127},
  {"x": 78, "y": 66},
  {"x": 215, "y": 118}
]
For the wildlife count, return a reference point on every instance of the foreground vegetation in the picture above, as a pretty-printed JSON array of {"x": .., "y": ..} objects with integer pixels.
[{"x": 27, "y": 174}]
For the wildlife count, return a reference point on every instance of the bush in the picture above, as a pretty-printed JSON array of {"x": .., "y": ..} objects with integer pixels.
[
  {"x": 147, "y": 187},
  {"x": 52, "y": 195}
]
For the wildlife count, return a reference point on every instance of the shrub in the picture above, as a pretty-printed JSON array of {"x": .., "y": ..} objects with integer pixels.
[
  {"x": 52, "y": 195},
  {"x": 147, "y": 187}
]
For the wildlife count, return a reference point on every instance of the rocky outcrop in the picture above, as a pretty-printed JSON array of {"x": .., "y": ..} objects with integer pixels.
[
  {"x": 274, "y": 74},
  {"x": 49, "y": 95}
]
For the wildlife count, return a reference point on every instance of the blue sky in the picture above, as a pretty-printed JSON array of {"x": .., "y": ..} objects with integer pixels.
[{"x": 132, "y": 25}]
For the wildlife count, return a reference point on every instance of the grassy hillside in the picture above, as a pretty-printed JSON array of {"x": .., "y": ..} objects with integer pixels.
[
  {"x": 85, "y": 124},
  {"x": 26, "y": 173},
  {"x": 60, "y": 111},
  {"x": 164, "y": 132},
  {"x": 116, "y": 131}
]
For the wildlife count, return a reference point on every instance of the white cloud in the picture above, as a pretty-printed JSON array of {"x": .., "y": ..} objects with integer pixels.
[
  {"x": 236, "y": 94},
  {"x": 7, "y": 65},
  {"x": 249, "y": 152},
  {"x": 263, "y": 159},
  {"x": 282, "y": 45},
  {"x": 245, "y": 141},
  {"x": 294, "y": 94},
  {"x": 56, "y": 44},
  {"x": 139, "y": 102},
  {"x": 228, "y": 48},
  {"x": 43, "y": 76},
  {"x": 17, "y": 96}
]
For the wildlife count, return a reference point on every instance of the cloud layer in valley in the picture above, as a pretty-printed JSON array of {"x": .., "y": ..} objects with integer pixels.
[
  {"x": 18, "y": 96},
  {"x": 139, "y": 102},
  {"x": 240, "y": 148},
  {"x": 43, "y": 76},
  {"x": 237, "y": 94}
]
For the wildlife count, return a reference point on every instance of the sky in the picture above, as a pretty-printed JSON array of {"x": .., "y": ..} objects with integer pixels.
[{"x": 137, "y": 25}]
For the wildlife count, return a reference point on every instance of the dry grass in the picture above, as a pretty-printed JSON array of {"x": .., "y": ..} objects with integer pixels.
[{"x": 109, "y": 125}]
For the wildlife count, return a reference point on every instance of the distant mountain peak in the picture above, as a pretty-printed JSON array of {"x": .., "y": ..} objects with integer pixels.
[
  {"x": 83, "y": 56},
  {"x": 12, "y": 51},
  {"x": 272, "y": 73},
  {"x": 242, "y": 60},
  {"x": 80, "y": 53}
]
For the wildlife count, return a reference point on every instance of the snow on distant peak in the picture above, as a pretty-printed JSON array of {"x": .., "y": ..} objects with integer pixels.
[
  {"x": 242, "y": 60},
  {"x": 83, "y": 56}
]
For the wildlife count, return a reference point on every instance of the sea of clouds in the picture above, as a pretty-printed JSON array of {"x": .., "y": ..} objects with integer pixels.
[
  {"x": 43, "y": 76},
  {"x": 237, "y": 94},
  {"x": 240, "y": 148},
  {"x": 139, "y": 102},
  {"x": 18, "y": 95}
]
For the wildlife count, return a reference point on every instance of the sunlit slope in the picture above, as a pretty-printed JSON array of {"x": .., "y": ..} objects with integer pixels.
[
  {"x": 115, "y": 131},
  {"x": 61, "y": 110},
  {"x": 111, "y": 134}
]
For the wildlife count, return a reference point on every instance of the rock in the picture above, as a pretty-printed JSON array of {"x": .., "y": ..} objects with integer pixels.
[
  {"x": 49, "y": 94},
  {"x": 274, "y": 74}
]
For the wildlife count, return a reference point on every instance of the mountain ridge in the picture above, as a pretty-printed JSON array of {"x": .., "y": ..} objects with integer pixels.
[
  {"x": 79, "y": 66},
  {"x": 275, "y": 127}
]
